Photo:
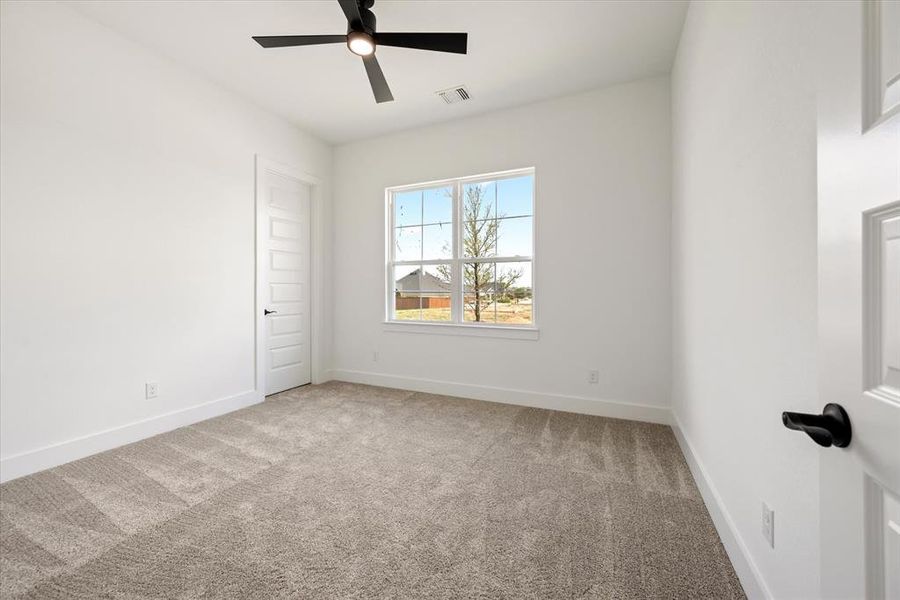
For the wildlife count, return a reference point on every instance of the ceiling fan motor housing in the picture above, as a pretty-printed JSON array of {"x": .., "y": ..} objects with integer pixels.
[{"x": 368, "y": 18}]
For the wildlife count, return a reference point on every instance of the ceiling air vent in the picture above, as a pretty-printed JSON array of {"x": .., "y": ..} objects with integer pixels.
[{"x": 454, "y": 94}]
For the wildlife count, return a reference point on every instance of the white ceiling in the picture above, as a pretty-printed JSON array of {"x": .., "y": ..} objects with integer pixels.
[{"x": 519, "y": 52}]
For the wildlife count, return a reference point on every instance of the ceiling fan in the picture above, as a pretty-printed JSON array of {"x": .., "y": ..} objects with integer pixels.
[{"x": 361, "y": 39}]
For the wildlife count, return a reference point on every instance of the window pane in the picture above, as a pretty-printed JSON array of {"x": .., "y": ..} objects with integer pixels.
[
  {"x": 438, "y": 207},
  {"x": 406, "y": 278},
  {"x": 479, "y": 203},
  {"x": 479, "y": 200},
  {"x": 407, "y": 306},
  {"x": 515, "y": 197},
  {"x": 479, "y": 238},
  {"x": 498, "y": 293},
  {"x": 514, "y": 293},
  {"x": 407, "y": 243},
  {"x": 478, "y": 292},
  {"x": 514, "y": 236},
  {"x": 406, "y": 292},
  {"x": 436, "y": 306},
  {"x": 437, "y": 241},
  {"x": 436, "y": 278},
  {"x": 408, "y": 208}
]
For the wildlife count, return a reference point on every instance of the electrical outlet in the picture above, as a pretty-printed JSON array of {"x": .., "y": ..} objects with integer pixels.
[
  {"x": 151, "y": 390},
  {"x": 768, "y": 524},
  {"x": 375, "y": 356},
  {"x": 593, "y": 376}
]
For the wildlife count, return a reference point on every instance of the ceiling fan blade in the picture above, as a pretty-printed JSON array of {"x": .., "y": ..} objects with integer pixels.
[
  {"x": 283, "y": 41},
  {"x": 439, "y": 42},
  {"x": 351, "y": 10},
  {"x": 376, "y": 78}
]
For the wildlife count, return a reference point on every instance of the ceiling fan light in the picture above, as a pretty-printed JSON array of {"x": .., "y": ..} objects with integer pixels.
[{"x": 360, "y": 43}]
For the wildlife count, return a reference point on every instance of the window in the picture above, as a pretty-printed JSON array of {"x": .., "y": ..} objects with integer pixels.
[{"x": 461, "y": 251}]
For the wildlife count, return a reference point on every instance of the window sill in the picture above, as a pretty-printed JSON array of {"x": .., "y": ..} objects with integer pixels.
[{"x": 490, "y": 331}]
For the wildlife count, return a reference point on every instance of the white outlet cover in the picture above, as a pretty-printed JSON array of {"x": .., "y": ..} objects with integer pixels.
[
  {"x": 151, "y": 390},
  {"x": 593, "y": 376}
]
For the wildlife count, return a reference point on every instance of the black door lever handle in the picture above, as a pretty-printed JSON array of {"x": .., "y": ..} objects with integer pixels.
[
  {"x": 267, "y": 312},
  {"x": 832, "y": 427}
]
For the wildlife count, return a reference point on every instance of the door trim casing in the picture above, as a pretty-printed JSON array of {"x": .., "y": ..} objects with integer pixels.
[{"x": 316, "y": 263}]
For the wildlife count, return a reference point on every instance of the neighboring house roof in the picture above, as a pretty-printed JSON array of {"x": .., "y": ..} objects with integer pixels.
[{"x": 429, "y": 282}]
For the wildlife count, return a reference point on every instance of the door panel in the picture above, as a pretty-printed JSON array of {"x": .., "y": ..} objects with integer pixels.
[
  {"x": 286, "y": 211},
  {"x": 882, "y": 319},
  {"x": 883, "y": 540},
  {"x": 881, "y": 69}
]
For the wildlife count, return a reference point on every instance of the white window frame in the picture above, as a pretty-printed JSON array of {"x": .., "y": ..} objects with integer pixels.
[{"x": 456, "y": 326}]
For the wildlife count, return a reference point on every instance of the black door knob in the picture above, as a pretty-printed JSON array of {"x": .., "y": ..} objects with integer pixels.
[
  {"x": 267, "y": 312},
  {"x": 832, "y": 427}
]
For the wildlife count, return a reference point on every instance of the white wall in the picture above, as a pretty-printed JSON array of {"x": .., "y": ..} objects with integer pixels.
[
  {"x": 602, "y": 163},
  {"x": 744, "y": 278},
  {"x": 127, "y": 236}
]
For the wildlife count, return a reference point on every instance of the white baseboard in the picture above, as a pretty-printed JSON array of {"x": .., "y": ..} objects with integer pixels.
[
  {"x": 18, "y": 465},
  {"x": 567, "y": 403},
  {"x": 748, "y": 573}
]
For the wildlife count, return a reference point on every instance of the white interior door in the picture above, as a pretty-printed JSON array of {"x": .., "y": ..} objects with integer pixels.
[
  {"x": 859, "y": 295},
  {"x": 284, "y": 212}
]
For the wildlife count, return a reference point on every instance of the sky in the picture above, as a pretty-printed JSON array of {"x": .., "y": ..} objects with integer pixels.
[{"x": 423, "y": 221}]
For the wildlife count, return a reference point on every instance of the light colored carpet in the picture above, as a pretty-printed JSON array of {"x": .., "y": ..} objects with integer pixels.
[{"x": 349, "y": 491}]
